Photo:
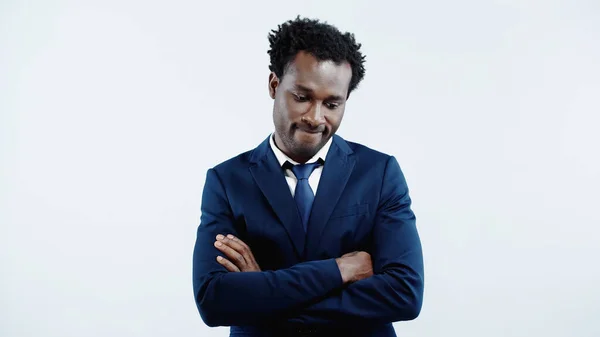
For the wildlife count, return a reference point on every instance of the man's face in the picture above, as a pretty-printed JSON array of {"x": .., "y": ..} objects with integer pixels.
[{"x": 309, "y": 104}]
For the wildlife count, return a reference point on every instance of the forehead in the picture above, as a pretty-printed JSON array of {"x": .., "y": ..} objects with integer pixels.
[{"x": 325, "y": 77}]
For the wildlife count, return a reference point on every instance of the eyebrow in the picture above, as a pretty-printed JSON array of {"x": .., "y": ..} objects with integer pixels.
[{"x": 309, "y": 90}]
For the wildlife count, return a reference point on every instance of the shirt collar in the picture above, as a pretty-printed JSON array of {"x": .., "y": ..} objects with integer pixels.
[{"x": 282, "y": 157}]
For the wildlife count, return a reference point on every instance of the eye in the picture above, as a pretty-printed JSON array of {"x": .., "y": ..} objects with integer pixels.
[
  {"x": 332, "y": 105},
  {"x": 300, "y": 97}
]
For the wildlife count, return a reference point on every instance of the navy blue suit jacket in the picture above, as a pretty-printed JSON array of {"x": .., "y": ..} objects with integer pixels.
[{"x": 362, "y": 203}]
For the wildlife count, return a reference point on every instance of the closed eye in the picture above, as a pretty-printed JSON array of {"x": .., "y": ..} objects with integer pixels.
[
  {"x": 300, "y": 98},
  {"x": 332, "y": 105}
]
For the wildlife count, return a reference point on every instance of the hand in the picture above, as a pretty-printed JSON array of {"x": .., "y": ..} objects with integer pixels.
[
  {"x": 238, "y": 256},
  {"x": 355, "y": 266}
]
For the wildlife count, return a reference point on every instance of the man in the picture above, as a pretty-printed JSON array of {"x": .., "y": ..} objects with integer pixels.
[{"x": 308, "y": 234}]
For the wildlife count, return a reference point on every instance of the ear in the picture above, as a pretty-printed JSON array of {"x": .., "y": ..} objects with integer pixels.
[{"x": 273, "y": 84}]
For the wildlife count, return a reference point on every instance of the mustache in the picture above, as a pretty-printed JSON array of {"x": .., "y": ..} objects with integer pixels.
[{"x": 311, "y": 128}]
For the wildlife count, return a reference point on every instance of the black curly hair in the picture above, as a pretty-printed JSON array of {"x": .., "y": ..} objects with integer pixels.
[{"x": 322, "y": 40}]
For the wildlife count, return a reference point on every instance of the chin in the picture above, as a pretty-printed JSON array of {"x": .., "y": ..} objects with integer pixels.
[
  {"x": 305, "y": 153},
  {"x": 309, "y": 148}
]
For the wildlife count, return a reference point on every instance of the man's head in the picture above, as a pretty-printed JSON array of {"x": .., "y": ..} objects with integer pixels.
[{"x": 314, "y": 68}]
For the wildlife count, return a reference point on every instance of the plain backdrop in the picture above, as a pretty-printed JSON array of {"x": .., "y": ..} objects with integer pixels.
[{"x": 112, "y": 111}]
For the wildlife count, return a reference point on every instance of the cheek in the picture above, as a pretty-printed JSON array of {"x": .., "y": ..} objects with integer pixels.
[
  {"x": 295, "y": 109},
  {"x": 335, "y": 118},
  {"x": 282, "y": 111}
]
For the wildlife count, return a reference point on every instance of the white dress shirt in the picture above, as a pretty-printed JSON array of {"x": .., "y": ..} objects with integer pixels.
[{"x": 314, "y": 178}]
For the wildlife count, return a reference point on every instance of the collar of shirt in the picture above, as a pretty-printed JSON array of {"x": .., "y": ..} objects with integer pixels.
[{"x": 282, "y": 157}]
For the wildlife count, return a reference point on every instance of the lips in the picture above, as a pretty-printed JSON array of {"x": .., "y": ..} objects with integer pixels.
[
  {"x": 314, "y": 132},
  {"x": 311, "y": 130}
]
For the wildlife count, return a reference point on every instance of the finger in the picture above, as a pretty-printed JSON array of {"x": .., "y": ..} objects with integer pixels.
[
  {"x": 238, "y": 240},
  {"x": 231, "y": 254},
  {"x": 236, "y": 243},
  {"x": 227, "y": 264},
  {"x": 240, "y": 247}
]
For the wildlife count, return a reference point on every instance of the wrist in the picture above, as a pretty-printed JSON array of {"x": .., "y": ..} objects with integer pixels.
[{"x": 345, "y": 272}]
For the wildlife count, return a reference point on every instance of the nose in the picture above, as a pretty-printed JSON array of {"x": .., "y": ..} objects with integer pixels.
[{"x": 314, "y": 116}]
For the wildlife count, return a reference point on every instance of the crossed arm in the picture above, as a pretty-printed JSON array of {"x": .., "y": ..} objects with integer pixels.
[{"x": 315, "y": 292}]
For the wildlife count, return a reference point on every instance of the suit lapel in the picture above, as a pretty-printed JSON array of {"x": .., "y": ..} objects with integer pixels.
[
  {"x": 336, "y": 171},
  {"x": 270, "y": 179}
]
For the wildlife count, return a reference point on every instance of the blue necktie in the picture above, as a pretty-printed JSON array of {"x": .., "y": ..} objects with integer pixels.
[{"x": 304, "y": 195}]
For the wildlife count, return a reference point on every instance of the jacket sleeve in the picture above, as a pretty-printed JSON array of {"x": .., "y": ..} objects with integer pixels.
[
  {"x": 395, "y": 291},
  {"x": 224, "y": 298}
]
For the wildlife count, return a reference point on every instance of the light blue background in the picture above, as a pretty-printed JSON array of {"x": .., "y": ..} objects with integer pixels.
[{"x": 112, "y": 111}]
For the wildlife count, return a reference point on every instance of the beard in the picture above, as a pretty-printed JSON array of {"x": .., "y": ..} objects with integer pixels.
[{"x": 298, "y": 150}]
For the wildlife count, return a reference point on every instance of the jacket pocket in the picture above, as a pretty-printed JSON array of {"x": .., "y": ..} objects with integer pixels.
[{"x": 355, "y": 210}]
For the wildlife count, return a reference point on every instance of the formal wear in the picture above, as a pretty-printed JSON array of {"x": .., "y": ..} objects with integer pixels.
[
  {"x": 360, "y": 201},
  {"x": 290, "y": 177}
]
